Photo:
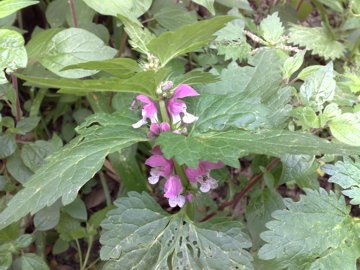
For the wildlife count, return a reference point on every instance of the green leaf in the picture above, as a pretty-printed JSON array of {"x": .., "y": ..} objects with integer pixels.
[
  {"x": 119, "y": 67},
  {"x": 30, "y": 261},
  {"x": 336, "y": 5},
  {"x": 131, "y": 8},
  {"x": 292, "y": 64},
  {"x": 347, "y": 175},
  {"x": 346, "y": 128},
  {"x": 34, "y": 154},
  {"x": 17, "y": 168},
  {"x": 70, "y": 228},
  {"x": 313, "y": 233},
  {"x": 229, "y": 146},
  {"x": 172, "y": 16},
  {"x": 26, "y": 125},
  {"x": 258, "y": 212},
  {"x": 317, "y": 40},
  {"x": 209, "y": 4},
  {"x": 144, "y": 82},
  {"x": 67, "y": 170},
  {"x": 7, "y": 145},
  {"x": 196, "y": 77},
  {"x": 139, "y": 35},
  {"x": 186, "y": 39},
  {"x": 12, "y": 52},
  {"x": 77, "y": 209},
  {"x": 138, "y": 234},
  {"x": 74, "y": 46},
  {"x": 5, "y": 260},
  {"x": 319, "y": 87},
  {"x": 8, "y": 7},
  {"x": 48, "y": 217},
  {"x": 272, "y": 28}
]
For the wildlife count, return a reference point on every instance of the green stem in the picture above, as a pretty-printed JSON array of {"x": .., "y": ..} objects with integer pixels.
[
  {"x": 80, "y": 253},
  {"x": 105, "y": 188},
  {"x": 325, "y": 19},
  {"x": 163, "y": 111},
  {"x": 87, "y": 256},
  {"x": 180, "y": 171}
]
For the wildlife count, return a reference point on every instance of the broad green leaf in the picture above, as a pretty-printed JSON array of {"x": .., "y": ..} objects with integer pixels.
[
  {"x": 230, "y": 145},
  {"x": 219, "y": 112},
  {"x": 138, "y": 234},
  {"x": 5, "y": 259},
  {"x": 48, "y": 217},
  {"x": 131, "y": 8},
  {"x": 68, "y": 169},
  {"x": 30, "y": 261},
  {"x": 119, "y": 67},
  {"x": 292, "y": 64},
  {"x": 353, "y": 82},
  {"x": 143, "y": 82},
  {"x": 70, "y": 228},
  {"x": 7, "y": 145},
  {"x": 316, "y": 232},
  {"x": 172, "y": 16},
  {"x": 27, "y": 124},
  {"x": 77, "y": 209},
  {"x": 306, "y": 117},
  {"x": 272, "y": 28},
  {"x": 8, "y": 7},
  {"x": 258, "y": 212},
  {"x": 60, "y": 246},
  {"x": 196, "y": 77},
  {"x": 346, "y": 128},
  {"x": 336, "y": 5},
  {"x": 12, "y": 52},
  {"x": 319, "y": 87},
  {"x": 139, "y": 36},
  {"x": 186, "y": 39},
  {"x": 209, "y": 4},
  {"x": 17, "y": 168},
  {"x": 74, "y": 46},
  {"x": 317, "y": 40},
  {"x": 346, "y": 174}
]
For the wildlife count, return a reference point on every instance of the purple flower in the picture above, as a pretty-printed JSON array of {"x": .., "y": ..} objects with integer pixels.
[
  {"x": 173, "y": 188},
  {"x": 177, "y": 108},
  {"x": 160, "y": 166},
  {"x": 201, "y": 175},
  {"x": 149, "y": 111},
  {"x": 156, "y": 128}
]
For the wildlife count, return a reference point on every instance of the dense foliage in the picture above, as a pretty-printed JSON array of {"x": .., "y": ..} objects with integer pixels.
[{"x": 163, "y": 134}]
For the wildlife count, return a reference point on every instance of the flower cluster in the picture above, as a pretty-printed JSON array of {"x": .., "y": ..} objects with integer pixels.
[{"x": 176, "y": 190}]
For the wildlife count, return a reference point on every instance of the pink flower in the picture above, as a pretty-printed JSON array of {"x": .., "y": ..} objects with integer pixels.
[
  {"x": 160, "y": 166},
  {"x": 201, "y": 175},
  {"x": 156, "y": 128},
  {"x": 173, "y": 188},
  {"x": 149, "y": 111},
  {"x": 177, "y": 108}
]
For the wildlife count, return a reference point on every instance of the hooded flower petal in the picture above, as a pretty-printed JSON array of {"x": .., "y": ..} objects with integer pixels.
[
  {"x": 149, "y": 111},
  {"x": 184, "y": 90},
  {"x": 160, "y": 166},
  {"x": 173, "y": 187},
  {"x": 156, "y": 128},
  {"x": 178, "y": 201},
  {"x": 201, "y": 175}
]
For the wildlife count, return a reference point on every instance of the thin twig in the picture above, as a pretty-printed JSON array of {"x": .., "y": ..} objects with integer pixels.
[
  {"x": 17, "y": 105},
  {"x": 105, "y": 188},
  {"x": 73, "y": 12},
  {"x": 241, "y": 194}
]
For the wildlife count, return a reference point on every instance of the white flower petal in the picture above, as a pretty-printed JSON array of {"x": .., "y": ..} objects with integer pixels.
[
  {"x": 205, "y": 187},
  {"x": 140, "y": 123},
  {"x": 153, "y": 179},
  {"x": 188, "y": 118}
]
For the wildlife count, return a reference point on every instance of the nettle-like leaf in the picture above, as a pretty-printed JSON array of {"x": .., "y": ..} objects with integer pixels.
[
  {"x": 319, "y": 87},
  {"x": 317, "y": 40},
  {"x": 272, "y": 28},
  {"x": 143, "y": 82},
  {"x": 346, "y": 174},
  {"x": 230, "y": 145},
  {"x": 292, "y": 64},
  {"x": 186, "y": 39},
  {"x": 131, "y": 8},
  {"x": 8, "y": 7},
  {"x": 12, "y": 52},
  {"x": 138, "y": 234},
  {"x": 68, "y": 169},
  {"x": 346, "y": 128},
  {"x": 74, "y": 46},
  {"x": 316, "y": 232}
]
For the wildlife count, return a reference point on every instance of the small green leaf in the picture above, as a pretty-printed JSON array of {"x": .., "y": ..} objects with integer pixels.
[
  {"x": 346, "y": 128},
  {"x": 12, "y": 51},
  {"x": 68, "y": 169},
  {"x": 17, "y": 168},
  {"x": 292, "y": 64},
  {"x": 26, "y": 125},
  {"x": 209, "y": 4},
  {"x": 196, "y": 77},
  {"x": 313, "y": 233},
  {"x": 48, "y": 217},
  {"x": 8, "y": 7},
  {"x": 74, "y": 46},
  {"x": 317, "y": 40},
  {"x": 30, "y": 261},
  {"x": 174, "y": 16},
  {"x": 34, "y": 154},
  {"x": 77, "y": 209},
  {"x": 138, "y": 234},
  {"x": 346, "y": 174},
  {"x": 186, "y": 39},
  {"x": 272, "y": 28},
  {"x": 230, "y": 145},
  {"x": 7, "y": 145}
]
